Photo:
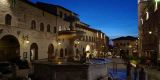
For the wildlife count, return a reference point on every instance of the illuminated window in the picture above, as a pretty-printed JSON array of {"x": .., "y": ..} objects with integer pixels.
[
  {"x": 97, "y": 34},
  {"x": 48, "y": 28},
  {"x": 8, "y": 19},
  {"x": 41, "y": 27},
  {"x": 60, "y": 28},
  {"x": 147, "y": 15},
  {"x": 141, "y": 21},
  {"x": 101, "y": 35},
  {"x": 156, "y": 4}
]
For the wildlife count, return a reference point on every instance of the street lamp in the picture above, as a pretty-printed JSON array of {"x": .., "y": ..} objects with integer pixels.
[
  {"x": 59, "y": 43},
  {"x": 25, "y": 38}
]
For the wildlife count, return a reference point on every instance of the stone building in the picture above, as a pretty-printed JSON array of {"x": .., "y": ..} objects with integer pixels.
[
  {"x": 148, "y": 24},
  {"x": 125, "y": 45},
  {"x": 36, "y": 31}
]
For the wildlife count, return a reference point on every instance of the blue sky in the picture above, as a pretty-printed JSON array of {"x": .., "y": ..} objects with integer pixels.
[{"x": 114, "y": 17}]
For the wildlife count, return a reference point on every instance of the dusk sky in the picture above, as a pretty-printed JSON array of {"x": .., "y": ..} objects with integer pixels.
[{"x": 114, "y": 17}]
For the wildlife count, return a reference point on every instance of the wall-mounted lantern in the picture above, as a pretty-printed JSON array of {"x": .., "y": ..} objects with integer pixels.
[{"x": 25, "y": 38}]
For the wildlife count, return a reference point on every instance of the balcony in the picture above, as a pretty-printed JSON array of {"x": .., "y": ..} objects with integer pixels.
[{"x": 70, "y": 34}]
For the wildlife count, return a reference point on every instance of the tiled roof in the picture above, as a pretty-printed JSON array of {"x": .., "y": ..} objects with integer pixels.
[{"x": 125, "y": 38}]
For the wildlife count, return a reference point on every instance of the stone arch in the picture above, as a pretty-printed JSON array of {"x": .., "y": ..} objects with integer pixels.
[
  {"x": 34, "y": 52},
  {"x": 9, "y": 48}
]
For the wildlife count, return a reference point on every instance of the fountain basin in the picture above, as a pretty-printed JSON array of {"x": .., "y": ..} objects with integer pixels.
[{"x": 70, "y": 71}]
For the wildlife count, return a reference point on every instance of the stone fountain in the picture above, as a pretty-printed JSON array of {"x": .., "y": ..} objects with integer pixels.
[{"x": 71, "y": 35}]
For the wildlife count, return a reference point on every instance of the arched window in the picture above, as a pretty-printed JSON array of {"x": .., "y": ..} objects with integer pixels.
[
  {"x": 141, "y": 21},
  {"x": 86, "y": 38},
  {"x": 83, "y": 50},
  {"x": 157, "y": 2},
  {"x": 92, "y": 39},
  {"x": 55, "y": 30},
  {"x": 48, "y": 28},
  {"x": 34, "y": 51},
  {"x": 8, "y": 19},
  {"x": 147, "y": 15},
  {"x": 89, "y": 38},
  {"x": 60, "y": 28},
  {"x": 61, "y": 53},
  {"x": 33, "y": 24},
  {"x": 41, "y": 27}
]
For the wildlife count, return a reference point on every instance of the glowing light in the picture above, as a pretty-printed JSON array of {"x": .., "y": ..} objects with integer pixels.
[
  {"x": 157, "y": 0},
  {"x": 27, "y": 41},
  {"x": 150, "y": 32},
  {"x": 88, "y": 48},
  {"x": 76, "y": 42},
  {"x": 59, "y": 62},
  {"x": 147, "y": 15},
  {"x": 59, "y": 43},
  {"x": 4, "y": 2},
  {"x": 141, "y": 21},
  {"x": 130, "y": 46},
  {"x": 156, "y": 5}
]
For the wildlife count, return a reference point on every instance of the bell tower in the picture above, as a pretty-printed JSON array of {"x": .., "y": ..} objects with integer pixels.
[{"x": 142, "y": 4}]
